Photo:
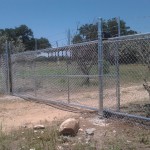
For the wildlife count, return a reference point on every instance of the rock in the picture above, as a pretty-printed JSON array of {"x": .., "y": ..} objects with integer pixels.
[
  {"x": 80, "y": 117},
  {"x": 128, "y": 141},
  {"x": 88, "y": 139},
  {"x": 42, "y": 132},
  {"x": 66, "y": 139},
  {"x": 114, "y": 131},
  {"x": 24, "y": 126},
  {"x": 60, "y": 148},
  {"x": 38, "y": 127},
  {"x": 65, "y": 144},
  {"x": 99, "y": 122},
  {"x": 90, "y": 131},
  {"x": 81, "y": 129},
  {"x": 69, "y": 127},
  {"x": 79, "y": 139}
]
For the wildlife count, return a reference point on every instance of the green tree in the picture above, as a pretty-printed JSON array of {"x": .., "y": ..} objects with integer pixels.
[
  {"x": 16, "y": 46},
  {"x": 24, "y": 33},
  {"x": 89, "y": 32},
  {"x": 86, "y": 56},
  {"x": 24, "y": 36},
  {"x": 2, "y": 43},
  {"x": 43, "y": 43}
]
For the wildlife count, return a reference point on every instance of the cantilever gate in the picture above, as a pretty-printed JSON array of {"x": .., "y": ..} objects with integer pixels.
[
  {"x": 71, "y": 74},
  {"x": 81, "y": 74},
  {"x": 66, "y": 74},
  {"x": 89, "y": 74}
]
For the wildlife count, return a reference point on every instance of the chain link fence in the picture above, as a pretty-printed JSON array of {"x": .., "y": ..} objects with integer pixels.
[
  {"x": 127, "y": 86},
  {"x": 71, "y": 74},
  {"x": 3, "y": 74},
  {"x": 67, "y": 74}
]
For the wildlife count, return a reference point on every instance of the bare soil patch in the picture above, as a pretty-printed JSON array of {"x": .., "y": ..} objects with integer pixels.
[
  {"x": 16, "y": 112},
  {"x": 109, "y": 134}
]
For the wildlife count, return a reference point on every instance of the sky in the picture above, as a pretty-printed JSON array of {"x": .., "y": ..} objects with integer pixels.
[{"x": 53, "y": 18}]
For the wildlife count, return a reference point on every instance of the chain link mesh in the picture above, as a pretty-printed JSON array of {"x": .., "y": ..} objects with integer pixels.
[
  {"x": 3, "y": 74},
  {"x": 70, "y": 74},
  {"x": 129, "y": 71}
]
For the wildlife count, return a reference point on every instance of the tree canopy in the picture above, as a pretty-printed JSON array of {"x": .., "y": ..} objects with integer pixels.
[
  {"x": 23, "y": 35},
  {"x": 87, "y": 56},
  {"x": 89, "y": 32}
]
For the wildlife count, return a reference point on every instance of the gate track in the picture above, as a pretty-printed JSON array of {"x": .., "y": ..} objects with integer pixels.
[{"x": 60, "y": 105}]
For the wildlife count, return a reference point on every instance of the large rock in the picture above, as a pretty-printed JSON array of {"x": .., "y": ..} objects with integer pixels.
[
  {"x": 90, "y": 131},
  {"x": 69, "y": 127},
  {"x": 37, "y": 127}
]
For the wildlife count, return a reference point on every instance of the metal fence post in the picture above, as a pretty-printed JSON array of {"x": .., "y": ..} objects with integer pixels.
[
  {"x": 119, "y": 31},
  {"x": 6, "y": 69},
  {"x": 100, "y": 66},
  {"x": 117, "y": 70},
  {"x": 57, "y": 54},
  {"x": 34, "y": 68},
  {"x": 8, "y": 73},
  {"x": 68, "y": 82},
  {"x": 35, "y": 44},
  {"x": 9, "y": 69}
]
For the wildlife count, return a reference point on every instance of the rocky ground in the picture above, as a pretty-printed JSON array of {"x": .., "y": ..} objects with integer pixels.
[{"x": 97, "y": 133}]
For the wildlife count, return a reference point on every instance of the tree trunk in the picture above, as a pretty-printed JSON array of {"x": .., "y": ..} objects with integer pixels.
[{"x": 87, "y": 81}]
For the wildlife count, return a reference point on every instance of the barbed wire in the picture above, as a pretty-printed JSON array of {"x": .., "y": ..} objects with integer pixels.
[
  {"x": 75, "y": 31},
  {"x": 109, "y": 28},
  {"x": 137, "y": 17}
]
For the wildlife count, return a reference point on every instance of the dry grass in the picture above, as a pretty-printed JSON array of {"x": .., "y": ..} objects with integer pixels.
[{"x": 115, "y": 135}]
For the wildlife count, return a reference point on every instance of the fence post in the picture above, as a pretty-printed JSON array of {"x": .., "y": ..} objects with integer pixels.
[
  {"x": 117, "y": 70},
  {"x": 35, "y": 47},
  {"x": 34, "y": 68},
  {"x": 6, "y": 68},
  {"x": 100, "y": 66},
  {"x": 57, "y": 54},
  {"x": 10, "y": 69},
  {"x": 119, "y": 31},
  {"x": 67, "y": 61}
]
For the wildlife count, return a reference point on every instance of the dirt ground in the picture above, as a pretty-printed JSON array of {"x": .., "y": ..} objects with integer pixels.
[
  {"x": 109, "y": 134},
  {"x": 16, "y": 112}
]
